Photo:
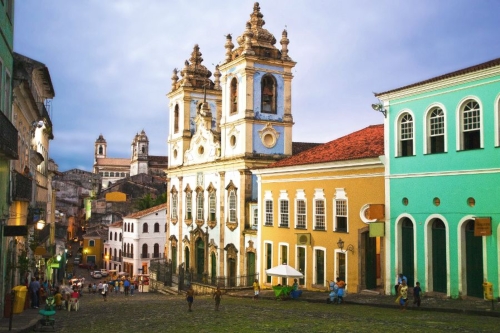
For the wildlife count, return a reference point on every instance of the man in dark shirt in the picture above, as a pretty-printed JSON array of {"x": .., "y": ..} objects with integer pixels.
[{"x": 34, "y": 288}]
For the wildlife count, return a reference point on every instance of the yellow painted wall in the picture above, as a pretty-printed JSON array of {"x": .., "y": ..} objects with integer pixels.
[
  {"x": 362, "y": 186},
  {"x": 116, "y": 197},
  {"x": 97, "y": 250}
]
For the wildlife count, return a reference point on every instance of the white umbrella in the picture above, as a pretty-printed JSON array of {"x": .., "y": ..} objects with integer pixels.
[
  {"x": 122, "y": 273},
  {"x": 284, "y": 271}
]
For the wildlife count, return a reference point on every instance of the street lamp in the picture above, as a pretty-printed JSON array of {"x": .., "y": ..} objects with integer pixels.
[{"x": 349, "y": 247}]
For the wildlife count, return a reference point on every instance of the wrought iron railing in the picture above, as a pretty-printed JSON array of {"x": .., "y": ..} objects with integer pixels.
[
  {"x": 8, "y": 138},
  {"x": 223, "y": 281}
]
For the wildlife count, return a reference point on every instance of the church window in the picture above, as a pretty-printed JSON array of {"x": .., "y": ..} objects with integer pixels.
[
  {"x": 268, "y": 89},
  {"x": 144, "y": 228},
  {"x": 143, "y": 149},
  {"x": 211, "y": 204},
  {"x": 176, "y": 118},
  {"x": 174, "y": 205},
  {"x": 232, "y": 206},
  {"x": 234, "y": 95},
  {"x": 199, "y": 205},
  {"x": 189, "y": 206},
  {"x": 100, "y": 150},
  {"x": 157, "y": 227}
]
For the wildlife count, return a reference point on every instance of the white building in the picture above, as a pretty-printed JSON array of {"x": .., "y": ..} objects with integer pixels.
[
  {"x": 113, "y": 247},
  {"x": 143, "y": 239}
]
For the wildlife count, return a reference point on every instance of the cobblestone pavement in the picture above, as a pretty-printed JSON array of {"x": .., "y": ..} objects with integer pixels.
[{"x": 155, "y": 312}]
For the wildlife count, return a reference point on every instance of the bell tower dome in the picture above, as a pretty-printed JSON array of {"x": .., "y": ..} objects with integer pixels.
[
  {"x": 256, "y": 93},
  {"x": 100, "y": 147}
]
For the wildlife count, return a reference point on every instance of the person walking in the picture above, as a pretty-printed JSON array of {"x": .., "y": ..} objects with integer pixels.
[
  {"x": 105, "y": 291},
  {"x": 132, "y": 288},
  {"x": 417, "y": 291},
  {"x": 403, "y": 295},
  {"x": 256, "y": 289},
  {"x": 217, "y": 297},
  {"x": 34, "y": 288},
  {"x": 341, "y": 290},
  {"x": 126, "y": 286},
  {"x": 190, "y": 298}
]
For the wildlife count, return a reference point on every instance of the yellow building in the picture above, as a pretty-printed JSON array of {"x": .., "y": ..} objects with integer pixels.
[
  {"x": 93, "y": 247},
  {"x": 315, "y": 211}
]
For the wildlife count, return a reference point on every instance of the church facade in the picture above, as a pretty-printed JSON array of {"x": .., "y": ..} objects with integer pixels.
[
  {"x": 113, "y": 169},
  {"x": 218, "y": 131}
]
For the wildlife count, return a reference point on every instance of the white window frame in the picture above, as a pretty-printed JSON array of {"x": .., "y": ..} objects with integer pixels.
[
  {"x": 319, "y": 196},
  {"x": 199, "y": 206},
  {"x": 315, "y": 273},
  {"x": 400, "y": 134},
  {"x": 300, "y": 216},
  {"x": 284, "y": 210},
  {"x": 212, "y": 206},
  {"x": 189, "y": 205},
  {"x": 254, "y": 211},
  {"x": 267, "y": 209},
  {"x": 340, "y": 198},
  {"x": 460, "y": 122},
  {"x": 497, "y": 121},
  {"x": 174, "y": 205},
  {"x": 428, "y": 128},
  {"x": 232, "y": 199}
]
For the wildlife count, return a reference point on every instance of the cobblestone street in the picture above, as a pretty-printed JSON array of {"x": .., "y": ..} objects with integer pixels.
[{"x": 151, "y": 312}]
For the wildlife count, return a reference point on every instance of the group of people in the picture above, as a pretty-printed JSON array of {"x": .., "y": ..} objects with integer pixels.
[
  {"x": 38, "y": 291},
  {"x": 402, "y": 292},
  {"x": 123, "y": 286},
  {"x": 337, "y": 291}
]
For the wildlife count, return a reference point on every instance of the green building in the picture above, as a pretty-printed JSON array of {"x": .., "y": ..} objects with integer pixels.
[{"x": 443, "y": 181}]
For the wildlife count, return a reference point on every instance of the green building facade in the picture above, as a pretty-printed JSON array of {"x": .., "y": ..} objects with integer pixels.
[{"x": 443, "y": 181}]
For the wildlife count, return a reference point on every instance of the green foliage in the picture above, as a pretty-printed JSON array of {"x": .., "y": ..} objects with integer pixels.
[{"x": 148, "y": 201}]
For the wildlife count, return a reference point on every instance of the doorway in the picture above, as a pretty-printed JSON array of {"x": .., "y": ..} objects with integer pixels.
[
  {"x": 439, "y": 263},
  {"x": 473, "y": 261},
  {"x": 407, "y": 251},
  {"x": 250, "y": 268},
  {"x": 370, "y": 244}
]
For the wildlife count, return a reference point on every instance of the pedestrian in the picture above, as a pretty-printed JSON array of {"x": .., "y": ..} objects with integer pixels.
[
  {"x": 217, "y": 296},
  {"x": 34, "y": 288},
  {"x": 117, "y": 286},
  {"x": 126, "y": 286},
  {"x": 416, "y": 294},
  {"x": 403, "y": 295},
  {"x": 190, "y": 297},
  {"x": 341, "y": 290},
  {"x": 399, "y": 278},
  {"x": 132, "y": 287},
  {"x": 104, "y": 291},
  {"x": 90, "y": 288},
  {"x": 256, "y": 289},
  {"x": 99, "y": 287},
  {"x": 122, "y": 288},
  {"x": 94, "y": 288}
]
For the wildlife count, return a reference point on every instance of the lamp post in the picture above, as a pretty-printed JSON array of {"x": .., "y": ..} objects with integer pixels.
[{"x": 349, "y": 247}]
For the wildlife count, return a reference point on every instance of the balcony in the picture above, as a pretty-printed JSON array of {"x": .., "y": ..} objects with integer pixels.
[
  {"x": 144, "y": 255},
  {"x": 22, "y": 188},
  {"x": 8, "y": 138}
]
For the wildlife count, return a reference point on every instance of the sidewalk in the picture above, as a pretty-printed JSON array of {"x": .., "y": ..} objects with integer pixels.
[
  {"x": 471, "y": 305},
  {"x": 21, "y": 322}
]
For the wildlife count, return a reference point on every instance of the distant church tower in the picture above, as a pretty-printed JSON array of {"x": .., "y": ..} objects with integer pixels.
[
  {"x": 100, "y": 147},
  {"x": 140, "y": 154}
]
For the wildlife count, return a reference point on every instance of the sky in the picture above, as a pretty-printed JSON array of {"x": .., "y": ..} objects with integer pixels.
[{"x": 111, "y": 61}]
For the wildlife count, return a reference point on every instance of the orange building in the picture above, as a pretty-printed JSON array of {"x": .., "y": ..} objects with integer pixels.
[{"x": 316, "y": 213}]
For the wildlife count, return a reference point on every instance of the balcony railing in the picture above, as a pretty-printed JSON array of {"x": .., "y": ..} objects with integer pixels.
[
  {"x": 128, "y": 255},
  {"x": 8, "y": 138},
  {"x": 144, "y": 255},
  {"x": 22, "y": 188}
]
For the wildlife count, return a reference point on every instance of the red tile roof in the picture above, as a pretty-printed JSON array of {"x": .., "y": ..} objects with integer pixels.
[
  {"x": 365, "y": 143},
  {"x": 145, "y": 212},
  {"x": 475, "y": 68},
  {"x": 299, "y": 147}
]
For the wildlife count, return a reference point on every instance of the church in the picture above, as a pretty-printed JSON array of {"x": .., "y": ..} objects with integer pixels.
[
  {"x": 219, "y": 130},
  {"x": 112, "y": 169}
]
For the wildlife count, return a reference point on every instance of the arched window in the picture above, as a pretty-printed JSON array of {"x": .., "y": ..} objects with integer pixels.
[
  {"x": 116, "y": 238},
  {"x": 435, "y": 131},
  {"x": 189, "y": 206},
  {"x": 100, "y": 150},
  {"x": 111, "y": 174},
  {"x": 156, "y": 251},
  {"x": 132, "y": 228},
  {"x": 268, "y": 90},
  {"x": 106, "y": 174},
  {"x": 144, "y": 253},
  {"x": 405, "y": 147},
  {"x": 234, "y": 96},
  {"x": 120, "y": 236},
  {"x": 165, "y": 227},
  {"x": 144, "y": 228},
  {"x": 157, "y": 227},
  {"x": 114, "y": 254},
  {"x": 232, "y": 206},
  {"x": 132, "y": 250},
  {"x": 110, "y": 235},
  {"x": 470, "y": 125},
  {"x": 91, "y": 242},
  {"x": 176, "y": 118}
]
